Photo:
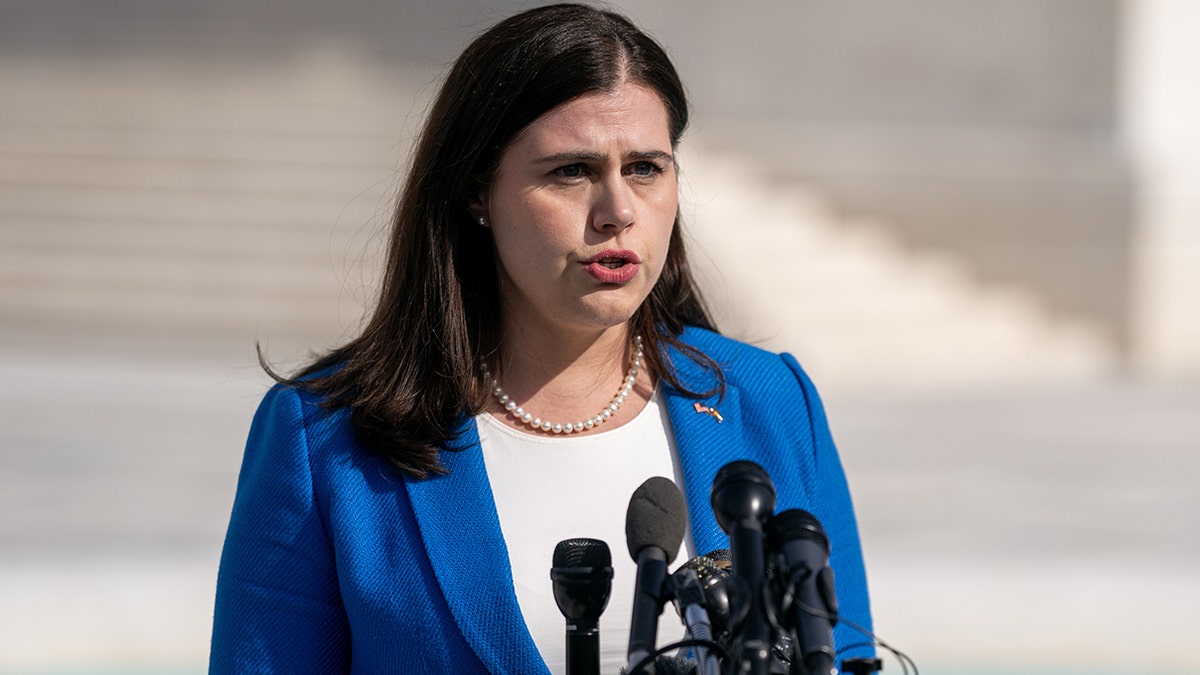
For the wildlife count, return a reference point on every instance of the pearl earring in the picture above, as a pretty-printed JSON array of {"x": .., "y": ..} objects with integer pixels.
[{"x": 483, "y": 221}]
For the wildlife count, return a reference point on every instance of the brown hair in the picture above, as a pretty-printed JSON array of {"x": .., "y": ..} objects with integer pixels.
[{"x": 413, "y": 372}]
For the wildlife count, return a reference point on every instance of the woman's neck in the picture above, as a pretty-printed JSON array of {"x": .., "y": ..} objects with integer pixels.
[{"x": 568, "y": 376}]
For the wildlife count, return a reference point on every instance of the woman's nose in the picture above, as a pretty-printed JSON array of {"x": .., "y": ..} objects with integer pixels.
[{"x": 613, "y": 210}]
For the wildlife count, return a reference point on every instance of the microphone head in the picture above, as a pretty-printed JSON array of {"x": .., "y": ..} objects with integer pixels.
[
  {"x": 796, "y": 525},
  {"x": 582, "y": 579},
  {"x": 582, "y": 552},
  {"x": 657, "y": 517},
  {"x": 742, "y": 491}
]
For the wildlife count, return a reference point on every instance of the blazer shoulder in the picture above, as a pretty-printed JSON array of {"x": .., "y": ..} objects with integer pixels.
[
  {"x": 714, "y": 344},
  {"x": 744, "y": 363},
  {"x": 296, "y": 411}
]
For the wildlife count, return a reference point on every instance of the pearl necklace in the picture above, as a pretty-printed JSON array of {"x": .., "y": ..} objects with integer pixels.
[{"x": 539, "y": 424}]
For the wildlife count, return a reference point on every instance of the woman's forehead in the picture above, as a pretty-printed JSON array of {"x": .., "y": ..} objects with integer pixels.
[{"x": 631, "y": 117}]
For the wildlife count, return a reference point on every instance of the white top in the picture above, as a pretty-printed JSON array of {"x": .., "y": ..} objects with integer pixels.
[{"x": 551, "y": 488}]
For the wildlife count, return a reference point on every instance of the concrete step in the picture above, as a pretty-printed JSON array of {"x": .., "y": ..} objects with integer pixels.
[
  {"x": 375, "y": 148},
  {"x": 323, "y": 95},
  {"x": 195, "y": 199},
  {"x": 214, "y": 237},
  {"x": 246, "y": 169},
  {"x": 793, "y": 275}
]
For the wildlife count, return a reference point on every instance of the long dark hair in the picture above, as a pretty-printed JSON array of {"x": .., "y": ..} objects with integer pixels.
[{"x": 414, "y": 371}]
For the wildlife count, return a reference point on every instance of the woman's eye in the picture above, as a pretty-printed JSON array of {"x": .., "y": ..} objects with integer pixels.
[
  {"x": 644, "y": 169},
  {"x": 570, "y": 171}
]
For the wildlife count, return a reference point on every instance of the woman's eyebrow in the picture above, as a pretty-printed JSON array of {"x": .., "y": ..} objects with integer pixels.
[
  {"x": 571, "y": 156},
  {"x": 583, "y": 156},
  {"x": 651, "y": 154}
]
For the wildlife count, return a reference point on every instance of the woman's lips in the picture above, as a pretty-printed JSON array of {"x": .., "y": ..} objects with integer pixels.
[{"x": 613, "y": 267}]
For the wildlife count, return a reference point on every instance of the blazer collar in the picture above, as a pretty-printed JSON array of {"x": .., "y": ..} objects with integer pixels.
[
  {"x": 708, "y": 434},
  {"x": 460, "y": 526}
]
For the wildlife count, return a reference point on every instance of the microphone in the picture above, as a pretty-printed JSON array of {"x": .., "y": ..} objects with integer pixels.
[
  {"x": 743, "y": 498},
  {"x": 690, "y": 602},
  {"x": 720, "y": 592},
  {"x": 654, "y": 526},
  {"x": 800, "y": 540},
  {"x": 582, "y": 580}
]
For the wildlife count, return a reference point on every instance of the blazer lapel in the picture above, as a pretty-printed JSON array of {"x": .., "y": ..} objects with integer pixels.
[
  {"x": 461, "y": 529},
  {"x": 708, "y": 435}
]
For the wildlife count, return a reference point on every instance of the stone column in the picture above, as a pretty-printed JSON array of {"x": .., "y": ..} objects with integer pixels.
[{"x": 1161, "y": 106}]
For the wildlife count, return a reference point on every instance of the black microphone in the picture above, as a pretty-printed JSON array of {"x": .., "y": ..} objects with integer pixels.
[
  {"x": 797, "y": 536},
  {"x": 582, "y": 580},
  {"x": 720, "y": 593},
  {"x": 691, "y": 603},
  {"x": 743, "y": 498},
  {"x": 654, "y": 526}
]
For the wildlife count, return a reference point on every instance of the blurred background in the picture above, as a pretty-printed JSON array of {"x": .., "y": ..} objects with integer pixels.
[{"x": 975, "y": 223}]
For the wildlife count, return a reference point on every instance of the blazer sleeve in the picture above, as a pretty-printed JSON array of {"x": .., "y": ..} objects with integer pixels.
[
  {"x": 278, "y": 608},
  {"x": 834, "y": 508}
]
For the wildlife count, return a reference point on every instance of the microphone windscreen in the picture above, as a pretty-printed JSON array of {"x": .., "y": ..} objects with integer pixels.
[
  {"x": 666, "y": 664},
  {"x": 581, "y": 579},
  {"x": 582, "y": 552},
  {"x": 657, "y": 516}
]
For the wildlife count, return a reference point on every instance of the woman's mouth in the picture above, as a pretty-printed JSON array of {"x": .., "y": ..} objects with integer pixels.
[{"x": 613, "y": 267}]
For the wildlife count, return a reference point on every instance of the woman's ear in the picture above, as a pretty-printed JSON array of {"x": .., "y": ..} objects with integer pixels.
[{"x": 477, "y": 207}]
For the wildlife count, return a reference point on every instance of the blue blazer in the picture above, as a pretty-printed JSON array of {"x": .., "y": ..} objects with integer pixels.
[{"x": 334, "y": 563}]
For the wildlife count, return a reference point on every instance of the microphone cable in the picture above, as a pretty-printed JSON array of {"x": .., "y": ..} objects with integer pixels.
[
  {"x": 788, "y": 599},
  {"x": 875, "y": 641}
]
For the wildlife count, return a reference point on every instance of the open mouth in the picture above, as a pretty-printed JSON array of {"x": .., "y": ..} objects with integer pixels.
[
  {"x": 614, "y": 267},
  {"x": 613, "y": 259}
]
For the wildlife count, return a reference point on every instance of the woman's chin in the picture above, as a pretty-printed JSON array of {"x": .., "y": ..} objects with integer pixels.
[
  {"x": 613, "y": 307},
  {"x": 593, "y": 312},
  {"x": 597, "y": 320},
  {"x": 610, "y": 315}
]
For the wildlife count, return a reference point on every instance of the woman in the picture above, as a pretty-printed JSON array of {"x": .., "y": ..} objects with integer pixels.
[{"x": 538, "y": 350}]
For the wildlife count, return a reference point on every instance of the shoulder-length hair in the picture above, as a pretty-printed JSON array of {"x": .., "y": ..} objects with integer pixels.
[{"x": 415, "y": 369}]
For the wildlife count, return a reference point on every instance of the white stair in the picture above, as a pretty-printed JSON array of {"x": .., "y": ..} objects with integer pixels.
[
  {"x": 207, "y": 203},
  {"x": 783, "y": 270}
]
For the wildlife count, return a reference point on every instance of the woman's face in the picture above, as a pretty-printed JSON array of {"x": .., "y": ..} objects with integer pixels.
[{"x": 581, "y": 208}]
